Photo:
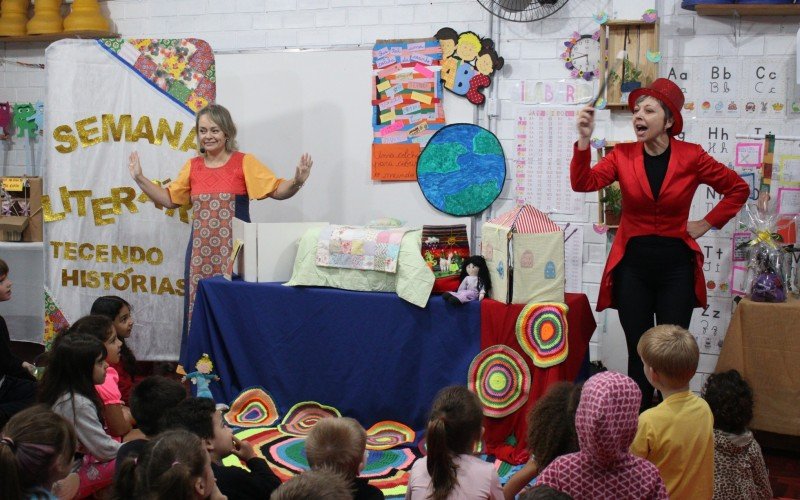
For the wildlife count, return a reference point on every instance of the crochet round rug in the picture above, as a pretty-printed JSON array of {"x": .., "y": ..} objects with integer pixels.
[
  {"x": 254, "y": 407},
  {"x": 542, "y": 333},
  {"x": 388, "y": 434},
  {"x": 501, "y": 379},
  {"x": 303, "y": 416}
]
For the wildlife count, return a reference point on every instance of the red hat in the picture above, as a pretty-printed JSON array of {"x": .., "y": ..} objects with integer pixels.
[{"x": 667, "y": 92}]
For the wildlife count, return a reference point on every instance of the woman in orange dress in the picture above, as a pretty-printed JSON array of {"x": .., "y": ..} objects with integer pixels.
[{"x": 219, "y": 184}]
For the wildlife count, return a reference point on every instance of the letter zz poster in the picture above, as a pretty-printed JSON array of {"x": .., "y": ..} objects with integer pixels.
[{"x": 105, "y": 99}]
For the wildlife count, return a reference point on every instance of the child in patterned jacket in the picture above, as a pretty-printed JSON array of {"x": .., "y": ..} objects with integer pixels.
[{"x": 739, "y": 469}]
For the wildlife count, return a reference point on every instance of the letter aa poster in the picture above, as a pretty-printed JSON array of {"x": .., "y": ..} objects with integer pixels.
[{"x": 105, "y": 99}]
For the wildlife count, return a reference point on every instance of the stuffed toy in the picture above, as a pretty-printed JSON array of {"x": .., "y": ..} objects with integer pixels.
[
  {"x": 202, "y": 377},
  {"x": 475, "y": 282}
]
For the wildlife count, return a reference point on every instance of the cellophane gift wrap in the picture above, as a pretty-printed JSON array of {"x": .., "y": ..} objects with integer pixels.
[{"x": 767, "y": 274}]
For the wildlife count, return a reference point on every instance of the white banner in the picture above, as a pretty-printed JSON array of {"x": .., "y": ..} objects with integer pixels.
[{"x": 106, "y": 99}]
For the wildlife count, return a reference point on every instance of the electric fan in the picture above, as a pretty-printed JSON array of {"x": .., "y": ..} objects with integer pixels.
[{"x": 522, "y": 11}]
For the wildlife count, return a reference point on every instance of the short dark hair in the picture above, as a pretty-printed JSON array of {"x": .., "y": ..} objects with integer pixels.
[
  {"x": 196, "y": 415},
  {"x": 3, "y": 268},
  {"x": 151, "y": 398},
  {"x": 731, "y": 400},
  {"x": 544, "y": 492}
]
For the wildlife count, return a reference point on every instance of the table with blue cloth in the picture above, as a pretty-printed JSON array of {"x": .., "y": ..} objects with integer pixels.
[{"x": 372, "y": 356}]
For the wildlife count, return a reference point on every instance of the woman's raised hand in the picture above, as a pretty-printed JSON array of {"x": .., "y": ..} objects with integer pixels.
[
  {"x": 303, "y": 169},
  {"x": 134, "y": 165},
  {"x": 586, "y": 122}
]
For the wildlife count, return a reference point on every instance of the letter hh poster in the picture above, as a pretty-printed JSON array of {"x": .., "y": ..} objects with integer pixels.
[{"x": 107, "y": 98}]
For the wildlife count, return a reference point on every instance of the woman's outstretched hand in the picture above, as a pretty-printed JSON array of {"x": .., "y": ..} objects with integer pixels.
[
  {"x": 303, "y": 169},
  {"x": 134, "y": 165}
]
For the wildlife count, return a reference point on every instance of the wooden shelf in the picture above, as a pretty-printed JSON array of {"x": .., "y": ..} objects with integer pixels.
[
  {"x": 58, "y": 36},
  {"x": 740, "y": 9}
]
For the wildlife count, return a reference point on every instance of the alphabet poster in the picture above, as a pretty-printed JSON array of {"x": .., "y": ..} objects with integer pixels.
[
  {"x": 103, "y": 236},
  {"x": 545, "y": 136}
]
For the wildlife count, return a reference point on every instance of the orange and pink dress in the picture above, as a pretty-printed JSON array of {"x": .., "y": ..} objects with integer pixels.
[{"x": 217, "y": 195}]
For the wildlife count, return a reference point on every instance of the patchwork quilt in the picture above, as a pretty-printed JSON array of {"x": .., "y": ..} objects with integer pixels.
[{"x": 359, "y": 247}]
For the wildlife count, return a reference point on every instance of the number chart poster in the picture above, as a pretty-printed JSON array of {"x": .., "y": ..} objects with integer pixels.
[
  {"x": 544, "y": 140},
  {"x": 103, "y": 236},
  {"x": 406, "y": 104}
]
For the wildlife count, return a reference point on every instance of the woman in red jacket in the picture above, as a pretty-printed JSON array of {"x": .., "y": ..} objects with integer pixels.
[{"x": 654, "y": 272}]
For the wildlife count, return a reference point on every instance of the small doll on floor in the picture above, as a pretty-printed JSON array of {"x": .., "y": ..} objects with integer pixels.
[
  {"x": 202, "y": 377},
  {"x": 475, "y": 282}
]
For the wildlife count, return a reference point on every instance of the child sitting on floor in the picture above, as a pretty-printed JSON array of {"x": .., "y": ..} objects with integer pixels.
[
  {"x": 313, "y": 485},
  {"x": 201, "y": 417},
  {"x": 739, "y": 469},
  {"x": 606, "y": 424},
  {"x": 450, "y": 470},
  {"x": 339, "y": 444},
  {"x": 36, "y": 451},
  {"x": 120, "y": 312},
  {"x": 116, "y": 415},
  {"x": 78, "y": 363},
  {"x": 173, "y": 466},
  {"x": 150, "y": 399},
  {"x": 678, "y": 434},
  {"x": 551, "y": 433}
]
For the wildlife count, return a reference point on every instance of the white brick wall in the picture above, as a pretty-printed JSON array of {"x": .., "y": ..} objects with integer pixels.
[{"x": 531, "y": 51}]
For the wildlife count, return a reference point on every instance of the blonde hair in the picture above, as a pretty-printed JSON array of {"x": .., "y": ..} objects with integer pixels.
[
  {"x": 672, "y": 352},
  {"x": 470, "y": 38},
  {"x": 337, "y": 444},
  {"x": 314, "y": 484},
  {"x": 222, "y": 118}
]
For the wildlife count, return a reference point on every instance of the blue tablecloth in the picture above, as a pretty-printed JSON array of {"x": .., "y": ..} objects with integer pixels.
[{"x": 372, "y": 356}]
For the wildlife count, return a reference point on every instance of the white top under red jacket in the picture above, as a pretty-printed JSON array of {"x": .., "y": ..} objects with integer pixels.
[{"x": 689, "y": 166}]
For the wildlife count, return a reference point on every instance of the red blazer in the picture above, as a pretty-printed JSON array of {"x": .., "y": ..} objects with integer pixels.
[{"x": 689, "y": 166}]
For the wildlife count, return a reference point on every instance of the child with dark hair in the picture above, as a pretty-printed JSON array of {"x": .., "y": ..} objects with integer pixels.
[
  {"x": 173, "y": 466},
  {"x": 17, "y": 383},
  {"x": 201, "y": 417},
  {"x": 116, "y": 415},
  {"x": 450, "y": 470},
  {"x": 542, "y": 492},
  {"x": 150, "y": 399},
  {"x": 739, "y": 469},
  {"x": 77, "y": 364},
  {"x": 339, "y": 444},
  {"x": 551, "y": 433},
  {"x": 36, "y": 450},
  {"x": 314, "y": 485},
  {"x": 119, "y": 311}
]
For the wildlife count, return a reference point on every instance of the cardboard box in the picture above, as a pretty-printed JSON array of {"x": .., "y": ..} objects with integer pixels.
[
  {"x": 24, "y": 200},
  {"x": 12, "y": 227},
  {"x": 268, "y": 249}
]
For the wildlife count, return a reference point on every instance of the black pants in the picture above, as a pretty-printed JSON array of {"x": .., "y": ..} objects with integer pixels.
[
  {"x": 653, "y": 285},
  {"x": 16, "y": 394}
]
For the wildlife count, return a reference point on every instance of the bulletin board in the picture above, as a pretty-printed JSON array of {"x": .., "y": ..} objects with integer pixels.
[{"x": 287, "y": 102}]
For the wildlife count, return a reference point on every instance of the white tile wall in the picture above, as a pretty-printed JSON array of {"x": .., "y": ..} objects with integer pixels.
[{"x": 531, "y": 51}]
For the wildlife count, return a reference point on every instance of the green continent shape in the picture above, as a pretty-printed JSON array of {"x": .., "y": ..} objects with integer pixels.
[
  {"x": 470, "y": 200},
  {"x": 484, "y": 143},
  {"x": 440, "y": 158}
]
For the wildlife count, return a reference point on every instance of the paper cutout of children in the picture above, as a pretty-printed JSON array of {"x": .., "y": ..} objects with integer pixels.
[{"x": 467, "y": 63}]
